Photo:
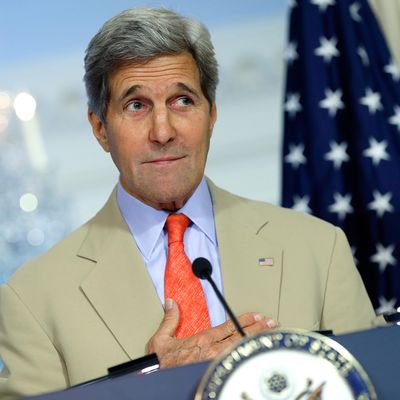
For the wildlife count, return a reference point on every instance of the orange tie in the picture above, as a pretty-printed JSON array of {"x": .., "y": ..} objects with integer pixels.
[{"x": 181, "y": 284}]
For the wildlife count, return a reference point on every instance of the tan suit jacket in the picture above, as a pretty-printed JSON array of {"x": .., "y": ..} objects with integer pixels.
[{"x": 89, "y": 303}]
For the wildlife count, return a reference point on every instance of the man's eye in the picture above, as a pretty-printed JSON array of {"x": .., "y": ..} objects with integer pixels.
[
  {"x": 134, "y": 106},
  {"x": 184, "y": 101}
]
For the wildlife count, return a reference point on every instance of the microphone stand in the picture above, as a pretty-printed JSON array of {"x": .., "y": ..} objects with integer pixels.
[{"x": 225, "y": 304}]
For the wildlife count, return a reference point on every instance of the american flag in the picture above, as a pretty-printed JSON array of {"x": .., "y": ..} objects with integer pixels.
[{"x": 341, "y": 149}]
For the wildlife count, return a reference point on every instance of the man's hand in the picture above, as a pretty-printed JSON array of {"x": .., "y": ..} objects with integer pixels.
[{"x": 204, "y": 345}]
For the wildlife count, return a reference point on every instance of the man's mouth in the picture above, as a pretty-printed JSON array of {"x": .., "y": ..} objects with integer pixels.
[{"x": 166, "y": 160}]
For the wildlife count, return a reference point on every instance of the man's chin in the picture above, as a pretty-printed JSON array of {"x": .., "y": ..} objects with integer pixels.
[
  {"x": 172, "y": 199},
  {"x": 163, "y": 192},
  {"x": 171, "y": 202}
]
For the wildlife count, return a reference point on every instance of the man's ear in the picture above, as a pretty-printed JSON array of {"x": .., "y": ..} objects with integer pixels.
[
  {"x": 213, "y": 117},
  {"x": 99, "y": 130}
]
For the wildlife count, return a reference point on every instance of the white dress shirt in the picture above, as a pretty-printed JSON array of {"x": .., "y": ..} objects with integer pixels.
[{"x": 147, "y": 226}]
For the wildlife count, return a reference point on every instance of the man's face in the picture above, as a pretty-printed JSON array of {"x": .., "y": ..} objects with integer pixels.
[{"x": 158, "y": 129}]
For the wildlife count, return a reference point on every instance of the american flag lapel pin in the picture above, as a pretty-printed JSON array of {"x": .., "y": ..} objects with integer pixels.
[{"x": 266, "y": 262}]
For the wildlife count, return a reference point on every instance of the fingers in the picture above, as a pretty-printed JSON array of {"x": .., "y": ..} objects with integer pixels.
[
  {"x": 171, "y": 319},
  {"x": 250, "y": 322},
  {"x": 261, "y": 326},
  {"x": 204, "y": 345},
  {"x": 166, "y": 331},
  {"x": 249, "y": 319},
  {"x": 209, "y": 348}
]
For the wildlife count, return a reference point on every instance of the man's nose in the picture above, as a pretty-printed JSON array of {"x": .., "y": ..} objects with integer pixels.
[{"x": 162, "y": 130}]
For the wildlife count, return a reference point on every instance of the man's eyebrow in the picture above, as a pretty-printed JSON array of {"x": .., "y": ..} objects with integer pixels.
[
  {"x": 135, "y": 88},
  {"x": 187, "y": 88},
  {"x": 129, "y": 91}
]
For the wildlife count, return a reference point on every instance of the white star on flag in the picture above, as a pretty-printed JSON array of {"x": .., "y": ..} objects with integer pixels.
[
  {"x": 363, "y": 55},
  {"x": 377, "y": 151},
  {"x": 372, "y": 100},
  {"x": 385, "y": 306},
  {"x": 292, "y": 3},
  {"x": 393, "y": 69},
  {"x": 301, "y": 204},
  {"x": 296, "y": 156},
  {"x": 292, "y": 104},
  {"x": 323, "y": 4},
  {"x": 332, "y": 101},
  {"x": 327, "y": 49},
  {"x": 355, "y": 12},
  {"x": 395, "y": 118},
  {"x": 381, "y": 203},
  {"x": 342, "y": 205},
  {"x": 384, "y": 256},
  {"x": 291, "y": 53},
  {"x": 337, "y": 154}
]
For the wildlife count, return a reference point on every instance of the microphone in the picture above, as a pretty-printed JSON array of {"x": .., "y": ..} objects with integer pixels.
[{"x": 202, "y": 269}]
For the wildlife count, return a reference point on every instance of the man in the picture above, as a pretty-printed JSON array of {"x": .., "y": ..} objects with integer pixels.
[{"x": 104, "y": 294}]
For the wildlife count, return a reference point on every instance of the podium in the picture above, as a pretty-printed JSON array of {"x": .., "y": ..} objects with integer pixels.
[{"x": 377, "y": 350}]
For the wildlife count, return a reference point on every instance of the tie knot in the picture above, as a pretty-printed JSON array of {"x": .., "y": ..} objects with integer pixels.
[{"x": 176, "y": 226}]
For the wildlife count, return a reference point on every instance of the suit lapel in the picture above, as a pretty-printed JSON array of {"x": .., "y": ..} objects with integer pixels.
[
  {"x": 121, "y": 292},
  {"x": 119, "y": 287},
  {"x": 243, "y": 239}
]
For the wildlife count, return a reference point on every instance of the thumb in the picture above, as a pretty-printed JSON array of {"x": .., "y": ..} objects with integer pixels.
[{"x": 171, "y": 318}]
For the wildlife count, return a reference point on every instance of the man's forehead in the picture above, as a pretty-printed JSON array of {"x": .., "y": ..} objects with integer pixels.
[{"x": 170, "y": 70}]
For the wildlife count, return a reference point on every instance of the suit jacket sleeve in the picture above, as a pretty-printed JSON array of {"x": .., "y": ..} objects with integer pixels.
[
  {"x": 24, "y": 345},
  {"x": 347, "y": 305}
]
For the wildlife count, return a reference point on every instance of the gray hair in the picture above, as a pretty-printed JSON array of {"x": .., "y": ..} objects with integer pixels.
[{"x": 138, "y": 35}]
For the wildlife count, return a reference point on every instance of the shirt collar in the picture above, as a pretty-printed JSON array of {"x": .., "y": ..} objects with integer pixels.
[{"x": 147, "y": 228}]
